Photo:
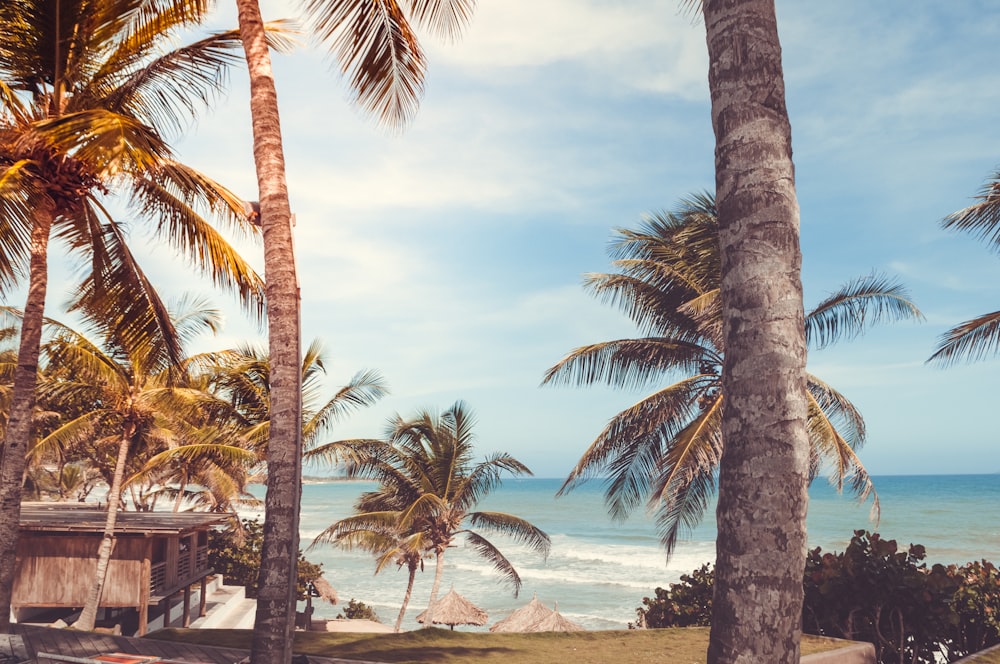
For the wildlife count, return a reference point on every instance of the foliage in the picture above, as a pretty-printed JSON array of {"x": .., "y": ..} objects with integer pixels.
[
  {"x": 356, "y": 610},
  {"x": 665, "y": 449},
  {"x": 429, "y": 484},
  {"x": 685, "y": 604},
  {"x": 877, "y": 593},
  {"x": 235, "y": 553},
  {"x": 872, "y": 592}
]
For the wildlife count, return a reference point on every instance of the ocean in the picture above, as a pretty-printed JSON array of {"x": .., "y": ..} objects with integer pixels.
[{"x": 598, "y": 570}]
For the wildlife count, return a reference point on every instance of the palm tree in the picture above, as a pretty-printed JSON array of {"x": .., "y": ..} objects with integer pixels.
[
  {"x": 375, "y": 527},
  {"x": 230, "y": 445},
  {"x": 86, "y": 93},
  {"x": 134, "y": 406},
  {"x": 978, "y": 338},
  {"x": 429, "y": 486},
  {"x": 761, "y": 544},
  {"x": 666, "y": 448},
  {"x": 379, "y": 50}
]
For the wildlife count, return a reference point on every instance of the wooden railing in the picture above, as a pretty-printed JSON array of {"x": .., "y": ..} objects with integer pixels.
[
  {"x": 158, "y": 582},
  {"x": 157, "y": 578}
]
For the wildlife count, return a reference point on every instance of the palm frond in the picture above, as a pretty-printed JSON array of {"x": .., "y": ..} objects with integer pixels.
[
  {"x": 685, "y": 473},
  {"x": 491, "y": 553},
  {"x": 973, "y": 340},
  {"x": 518, "y": 529},
  {"x": 629, "y": 363},
  {"x": 377, "y": 50},
  {"x": 869, "y": 300},
  {"x": 982, "y": 219}
]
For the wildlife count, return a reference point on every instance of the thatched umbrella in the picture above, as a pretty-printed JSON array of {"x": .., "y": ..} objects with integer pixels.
[
  {"x": 324, "y": 590},
  {"x": 453, "y": 609},
  {"x": 556, "y": 622},
  {"x": 522, "y": 620},
  {"x": 318, "y": 587}
]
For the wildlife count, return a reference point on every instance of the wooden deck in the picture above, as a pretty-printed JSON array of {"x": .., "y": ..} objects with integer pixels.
[{"x": 75, "y": 644}]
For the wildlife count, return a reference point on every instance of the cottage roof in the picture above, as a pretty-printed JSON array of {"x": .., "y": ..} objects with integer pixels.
[{"x": 89, "y": 518}]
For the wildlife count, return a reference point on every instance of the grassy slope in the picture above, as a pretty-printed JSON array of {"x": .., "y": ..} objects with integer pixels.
[{"x": 440, "y": 646}]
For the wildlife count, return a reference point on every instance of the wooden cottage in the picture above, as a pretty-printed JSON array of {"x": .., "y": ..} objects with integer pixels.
[{"x": 156, "y": 556}]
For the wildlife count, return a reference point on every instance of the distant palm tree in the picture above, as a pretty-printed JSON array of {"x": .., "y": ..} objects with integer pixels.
[
  {"x": 375, "y": 527},
  {"x": 87, "y": 92},
  {"x": 235, "y": 431},
  {"x": 134, "y": 406},
  {"x": 378, "y": 49},
  {"x": 665, "y": 449},
  {"x": 428, "y": 487},
  {"x": 978, "y": 338}
]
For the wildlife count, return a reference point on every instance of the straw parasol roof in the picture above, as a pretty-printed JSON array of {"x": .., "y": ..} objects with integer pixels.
[
  {"x": 453, "y": 609},
  {"x": 522, "y": 620},
  {"x": 324, "y": 590},
  {"x": 556, "y": 622}
]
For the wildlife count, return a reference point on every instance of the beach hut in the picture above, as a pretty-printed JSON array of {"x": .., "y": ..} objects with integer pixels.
[
  {"x": 453, "y": 609},
  {"x": 158, "y": 556},
  {"x": 556, "y": 622},
  {"x": 521, "y": 620}
]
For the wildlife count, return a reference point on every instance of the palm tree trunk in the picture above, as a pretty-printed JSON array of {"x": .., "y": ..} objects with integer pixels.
[
  {"x": 406, "y": 597},
  {"x": 438, "y": 569},
  {"x": 180, "y": 491},
  {"x": 22, "y": 405},
  {"x": 89, "y": 614},
  {"x": 274, "y": 621},
  {"x": 761, "y": 545}
]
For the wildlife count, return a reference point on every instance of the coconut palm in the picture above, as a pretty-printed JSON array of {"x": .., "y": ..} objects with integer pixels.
[
  {"x": 230, "y": 445},
  {"x": 87, "y": 96},
  {"x": 377, "y": 47},
  {"x": 135, "y": 407},
  {"x": 428, "y": 487},
  {"x": 978, "y": 338},
  {"x": 375, "y": 527},
  {"x": 665, "y": 449}
]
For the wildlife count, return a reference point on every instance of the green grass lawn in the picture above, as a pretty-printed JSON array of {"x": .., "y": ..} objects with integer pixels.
[{"x": 441, "y": 646}]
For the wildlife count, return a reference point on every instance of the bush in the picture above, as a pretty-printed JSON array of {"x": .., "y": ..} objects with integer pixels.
[
  {"x": 235, "y": 553},
  {"x": 871, "y": 592},
  {"x": 356, "y": 610},
  {"x": 684, "y": 604}
]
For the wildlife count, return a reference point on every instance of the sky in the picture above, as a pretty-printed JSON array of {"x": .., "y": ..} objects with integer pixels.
[{"x": 450, "y": 256}]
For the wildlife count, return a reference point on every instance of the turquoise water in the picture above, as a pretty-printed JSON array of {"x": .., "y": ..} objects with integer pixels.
[{"x": 598, "y": 570}]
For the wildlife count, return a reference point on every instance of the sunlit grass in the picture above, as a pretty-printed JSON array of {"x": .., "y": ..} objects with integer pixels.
[{"x": 441, "y": 646}]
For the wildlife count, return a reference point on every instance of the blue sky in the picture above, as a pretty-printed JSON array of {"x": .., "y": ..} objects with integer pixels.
[{"x": 450, "y": 257}]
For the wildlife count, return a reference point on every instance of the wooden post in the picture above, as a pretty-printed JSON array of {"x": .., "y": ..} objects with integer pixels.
[
  {"x": 145, "y": 585},
  {"x": 203, "y": 601},
  {"x": 166, "y": 611},
  {"x": 186, "y": 619}
]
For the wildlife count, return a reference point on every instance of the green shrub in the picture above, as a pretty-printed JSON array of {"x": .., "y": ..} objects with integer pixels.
[
  {"x": 871, "y": 592},
  {"x": 684, "y": 604},
  {"x": 235, "y": 553},
  {"x": 356, "y": 610}
]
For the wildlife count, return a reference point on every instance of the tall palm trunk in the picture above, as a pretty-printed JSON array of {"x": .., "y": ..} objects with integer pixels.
[
  {"x": 438, "y": 569},
  {"x": 274, "y": 623},
  {"x": 406, "y": 596},
  {"x": 22, "y": 405},
  {"x": 89, "y": 614},
  {"x": 761, "y": 546}
]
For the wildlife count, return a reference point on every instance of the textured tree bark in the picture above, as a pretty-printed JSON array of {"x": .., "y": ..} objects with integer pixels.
[
  {"x": 89, "y": 614},
  {"x": 435, "y": 589},
  {"x": 761, "y": 546},
  {"x": 406, "y": 598},
  {"x": 18, "y": 435},
  {"x": 275, "y": 619}
]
